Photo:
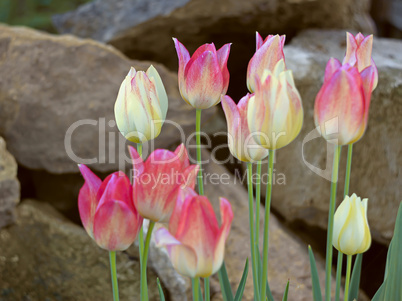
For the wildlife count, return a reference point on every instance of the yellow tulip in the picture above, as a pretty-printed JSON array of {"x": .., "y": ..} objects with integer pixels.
[
  {"x": 141, "y": 105},
  {"x": 351, "y": 230}
]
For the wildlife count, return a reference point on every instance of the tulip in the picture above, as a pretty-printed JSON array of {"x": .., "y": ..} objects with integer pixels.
[
  {"x": 241, "y": 142},
  {"x": 157, "y": 181},
  {"x": 351, "y": 231},
  {"x": 204, "y": 76},
  {"x": 267, "y": 55},
  {"x": 358, "y": 54},
  {"x": 141, "y": 105},
  {"x": 194, "y": 241},
  {"x": 342, "y": 104},
  {"x": 107, "y": 210},
  {"x": 275, "y": 112}
]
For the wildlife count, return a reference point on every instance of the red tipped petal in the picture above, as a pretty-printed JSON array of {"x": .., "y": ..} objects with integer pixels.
[
  {"x": 190, "y": 176},
  {"x": 138, "y": 164},
  {"x": 179, "y": 215},
  {"x": 115, "y": 226},
  {"x": 363, "y": 53},
  {"x": 181, "y": 153},
  {"x": 351, "y": 47},
  {"x": 87, "y": 200},
  {"x": 258, "y": 41},
  {"x": 223, "y": 55},
  {"x": 332, "y": 66}
]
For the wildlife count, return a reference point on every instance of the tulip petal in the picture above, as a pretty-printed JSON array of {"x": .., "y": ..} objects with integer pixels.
[
  {"x": 154, "y": 76},
  {"x": 200, "y": 230},
  {"x": 203, "y": 80},
  {"x": 181, "y": 153},
  {"x": 179, "y": 215},
  {"x": 183, "y": 258},
  {"x": 258, "y": 41},
  {"x": 363, "y": 52},
  {"x": 226, "y": 217},
  {"x": 190, "y": 176},
  {"x": 351, "y": 47},
  {"x": 184, "y": 57},
  {"x": 340, "y": 217},
  {"x": 138, "y": 164},
  {"x": 223, "y": 55},
  {"x": 332, "y": 66},
  {"x": 115, "y": 226},
  {"x": 87, "y": 198}
]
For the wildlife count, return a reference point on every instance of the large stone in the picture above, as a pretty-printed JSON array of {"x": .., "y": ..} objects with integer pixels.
[
  {"x": 45, "y": 257},
  {"x": 9, "y": 186},
  {"x": 50, "y": 83},
  {"x": 143, "y": 28},
  {"x": 377, "y": 157}
]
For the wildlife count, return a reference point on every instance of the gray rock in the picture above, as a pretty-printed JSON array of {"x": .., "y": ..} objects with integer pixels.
[
  {"x": 49, "y": 83},
  {"x": 143, "y": 29},
  {"x": 9, "y": 186},
  {"x": 45, "y": 257},
  {"x": 377, "y": 157}
]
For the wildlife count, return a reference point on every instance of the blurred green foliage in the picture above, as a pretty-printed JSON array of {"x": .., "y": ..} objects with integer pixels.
[{"x": 35, "y": 13}]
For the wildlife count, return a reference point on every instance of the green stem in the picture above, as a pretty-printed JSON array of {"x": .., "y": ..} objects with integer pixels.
[
  {"x": 345, "y": 193},
  {"x": 257, "y": 207},
  {"x": 338, "y": 276},
  {"x": 328, "y": 258},
  {"x": 348, "y": 170},
  {"x": 263, "y": 283},
  {"x": 196, "y": 288},
  {"x": 112, "y": 258},
  {"x": 348, "y": 269},
  {"x": 141, "y": 233},
  {"x": 198, "y": 141},
  {"x": 251, "y": 223},
  {"x": 206, "y": 289},
  {"x": 144, "y": 286}
]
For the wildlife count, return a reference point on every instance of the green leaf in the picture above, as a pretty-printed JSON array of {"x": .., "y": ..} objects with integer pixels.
[
  {"x": 242, "y": 284},
  {"x": 285, "y": 294},
  {"x": 225, "y": 284},
  {"x": 391, "y": 288},
  {"x": 269, "y": 293},
  {"x": 314, "y": 277},
  {"x": 161, "y": 295},
  {"x": 355, "y": 280}
]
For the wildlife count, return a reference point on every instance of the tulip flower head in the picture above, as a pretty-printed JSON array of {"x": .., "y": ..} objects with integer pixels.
[
  {"x": 275, "y": 112},
  {"x": 269, "y": 52},
  {"x": 157, "y": 181},
  {"x": 194, "y": 241},
  {"x": 358, "y": 54},
  {"x": 141, "y": 105},
  {"x": 351, "y": 231},
  {"x": 241, "y": 142},
  {"x": 342, "y": 104},
  {"x": 107, "y": 210},
  {"x": 204, "y": 76}
]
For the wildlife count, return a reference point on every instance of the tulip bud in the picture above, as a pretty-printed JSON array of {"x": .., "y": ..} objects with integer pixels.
[
  {"x": 267, "y": 55},
  {"x": 107, "y": 210},
  {"x": 141, "y": 105},
  {"x": 194, "y": 241},
  {"x": 351, "y": 231},
  {"x": 157, "y": 181},
  {"x": 358, "y": 54},
  {"x": 342, "y": 104},
  {"x": 204, "y": 76},
  {"x": 275, "y": 112},
  {"x": 241, "y": 142}
]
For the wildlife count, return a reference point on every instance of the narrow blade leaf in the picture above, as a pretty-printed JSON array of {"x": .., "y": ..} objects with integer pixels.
[
  {"x": 242, "y": 284},
  {"x": 314, "y": 277},
  {"x": 285, "y": 294},
  {"x": 225, "y": 284},
  {"x": 161, "y": 295}
]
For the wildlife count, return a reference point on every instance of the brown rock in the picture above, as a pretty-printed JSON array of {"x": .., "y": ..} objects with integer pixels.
[
  {"x": 9, "y": 186},
  {"x": 48, "y": 83},
  {"x": 45, "y": 257},
  {"x": 143, "y": 29}
]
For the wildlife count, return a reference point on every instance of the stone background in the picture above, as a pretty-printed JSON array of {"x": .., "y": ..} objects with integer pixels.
[{"x": 48, "y": 82}]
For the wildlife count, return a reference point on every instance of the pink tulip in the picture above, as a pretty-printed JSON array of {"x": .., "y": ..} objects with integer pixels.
[
  {"x": 157, "y": 181},
  {"x": 194, "y": 241},
  {"x": 107, "y": 210},
  {"x": 342, "y": 104},
  {"x": 204, "y": 76},
  {"x": 241, "y": 142},
  {"x": 268, "y": 53},
  {"x": 358, "y": 54}
]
